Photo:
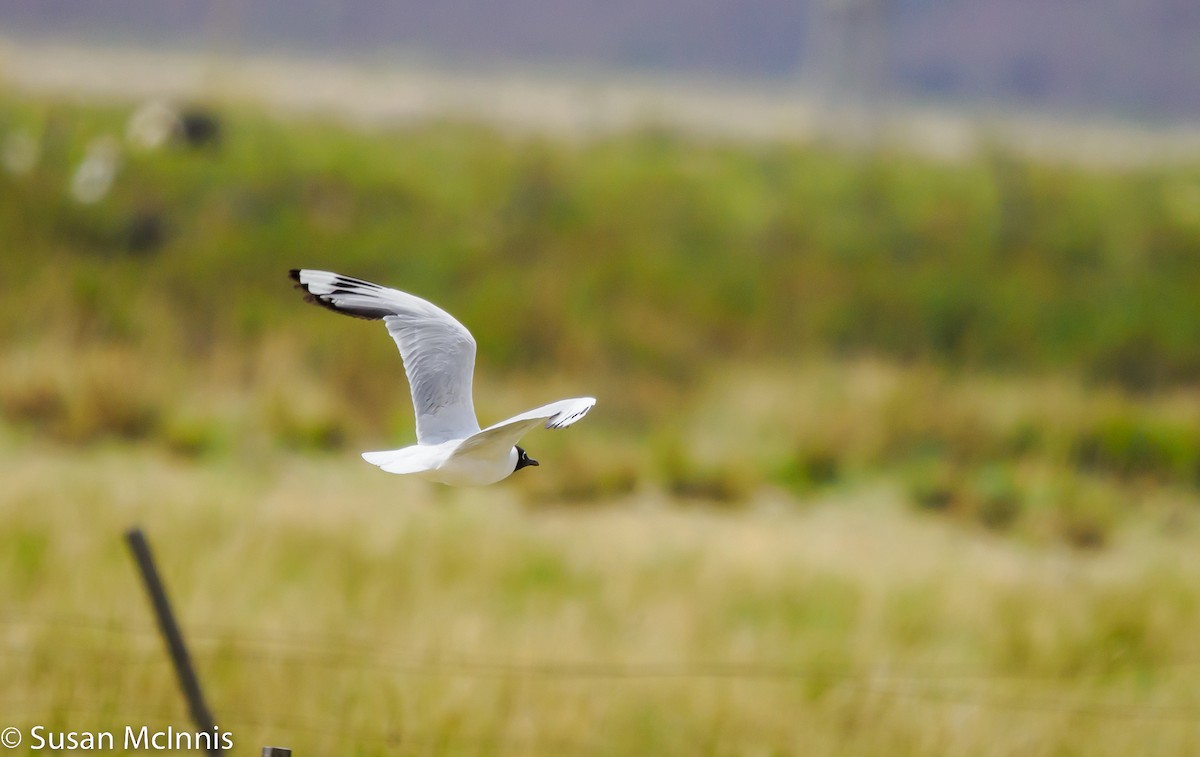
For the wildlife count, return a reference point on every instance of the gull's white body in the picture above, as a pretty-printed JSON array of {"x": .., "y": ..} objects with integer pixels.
[
  {"x": 439, "y": 358},
  {"x": 437, "y": 462}
]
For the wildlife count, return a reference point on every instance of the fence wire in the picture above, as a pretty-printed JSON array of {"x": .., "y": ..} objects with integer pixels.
[{"x": 942, "y": 685}]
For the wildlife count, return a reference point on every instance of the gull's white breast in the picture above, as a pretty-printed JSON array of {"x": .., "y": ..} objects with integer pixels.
[{"x": 470, "y": 469}]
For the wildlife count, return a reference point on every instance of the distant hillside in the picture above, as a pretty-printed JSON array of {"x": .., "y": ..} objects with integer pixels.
[{"x": 1133, "y": 58}]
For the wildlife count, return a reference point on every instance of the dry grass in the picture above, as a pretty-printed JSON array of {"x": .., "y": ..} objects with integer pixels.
[{"x": 341, "y": 611}]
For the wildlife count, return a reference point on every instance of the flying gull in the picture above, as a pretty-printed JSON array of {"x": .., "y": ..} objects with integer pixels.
[{"x": 439, "y": 358}]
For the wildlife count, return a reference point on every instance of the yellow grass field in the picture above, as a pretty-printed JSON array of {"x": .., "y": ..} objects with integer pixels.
[{"x": 337, "y": 610}]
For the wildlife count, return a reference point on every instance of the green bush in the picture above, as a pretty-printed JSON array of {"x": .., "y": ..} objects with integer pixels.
[{"x": 1130, "y": 446}]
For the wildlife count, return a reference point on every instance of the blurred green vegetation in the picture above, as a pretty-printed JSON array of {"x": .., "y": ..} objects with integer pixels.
[
  {"x": 661, "y": 273},
  {"x": 828, "y": 382},
  {"x": 646, "y": 252}
]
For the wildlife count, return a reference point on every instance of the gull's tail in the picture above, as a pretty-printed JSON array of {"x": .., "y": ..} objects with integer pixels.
[{"x": 414, "y": 459}]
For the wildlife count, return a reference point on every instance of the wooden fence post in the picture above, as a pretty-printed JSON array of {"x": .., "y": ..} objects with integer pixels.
[{"x": 201, "y": 715}]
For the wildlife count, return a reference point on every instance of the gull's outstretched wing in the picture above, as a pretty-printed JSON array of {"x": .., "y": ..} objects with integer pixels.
[
  {"x": 500, "y": 437},
  {"x": 438, "y": 351}
]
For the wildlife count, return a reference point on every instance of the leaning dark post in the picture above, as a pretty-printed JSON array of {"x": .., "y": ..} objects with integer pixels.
[
  {"x": 188, "y": 682},
  {"x": 276, "y": 751}
]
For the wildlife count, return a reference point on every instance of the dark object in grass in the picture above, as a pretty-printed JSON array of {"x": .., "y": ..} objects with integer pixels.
[
  {"x": 146, "y": 232},
  {"x": 199, "y": 127}
]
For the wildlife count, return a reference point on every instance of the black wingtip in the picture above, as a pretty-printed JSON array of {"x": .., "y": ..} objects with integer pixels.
[
  {"x": 366, "y": 314},
  {"x": 294, "y": 275}
]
